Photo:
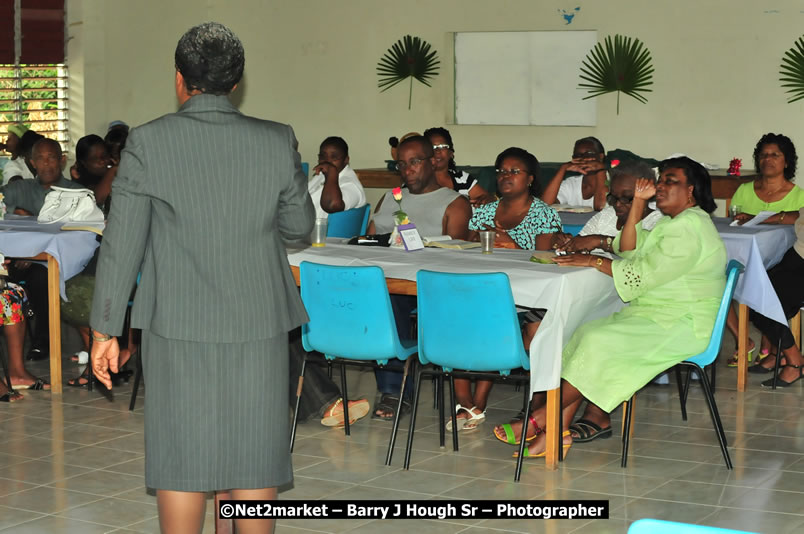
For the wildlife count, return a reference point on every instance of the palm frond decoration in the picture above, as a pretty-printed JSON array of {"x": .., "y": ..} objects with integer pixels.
[
  {"x": 621, "y": 64},
  {"x": 410, "y": 57},
  {"x": 792, "y": 71}
]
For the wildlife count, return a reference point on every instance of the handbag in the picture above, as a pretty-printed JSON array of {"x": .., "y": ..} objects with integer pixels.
[{"x": 70, "y": 205}]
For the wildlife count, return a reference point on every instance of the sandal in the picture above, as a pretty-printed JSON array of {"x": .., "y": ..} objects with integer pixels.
[
  {"x": 334, "y": 415},
  {"x": 510, "y": 437},
  {"x": 761, "y": 369},
  {"x": 468, "y": 423},
  {"x": 11, "y": 396},
  {"x": 542, "y": 454},
  {"x": 784, "y": 383},
  {"x": 589, "y": 431},
  {"x": 82, "y": 380},
  {"x": 38, "y": 385},
  {"x": 733, "y": 360},
  {"x": 388, "y": 403}
]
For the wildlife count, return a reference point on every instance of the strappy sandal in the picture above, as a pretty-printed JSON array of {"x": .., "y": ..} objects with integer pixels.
[
  {"x": 733, "y": 360},
  {"x": 542, "y": 454},
  {"x": 510, "y": 436},
  {"x": 38, "y": 385},
  {"x": 589, "y": 431},
  {"x": 784, "y": 383},
  {"x": 334, "y": 415},
  {"x": 469, "y": 423},
  {"x": 387, "y": 404}
]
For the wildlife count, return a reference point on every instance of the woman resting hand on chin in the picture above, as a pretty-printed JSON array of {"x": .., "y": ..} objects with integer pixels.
[{"x": 673, "y": 276}]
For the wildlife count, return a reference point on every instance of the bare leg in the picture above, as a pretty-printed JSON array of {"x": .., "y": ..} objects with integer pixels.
[
  {"x": 181, "y": 512},
  {"x": 731, "y": 321},
  {"x": 254, "y": 526},
  {"x": 571, "y": 397},
  {"x": 15, "y": 338},
  {"x": 793, "y": 357},
  {"x": 539, "y": 444},
  {"x": 528, "y": 332},
  {"x": 481, "y": 396}
]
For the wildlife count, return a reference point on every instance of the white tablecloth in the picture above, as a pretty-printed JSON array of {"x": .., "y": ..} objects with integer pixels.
[
  {"x": 24, "y": 237},
  {"x": 758, "y": 248},
  {"x": 572, "y": 295}
]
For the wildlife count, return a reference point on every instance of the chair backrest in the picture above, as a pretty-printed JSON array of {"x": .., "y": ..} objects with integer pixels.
[
  {"x": 348, "y": 223},
  {"x": 469, "y": 322},
  {"x": 657, "y": 526},
  {"x": 350, "y": 312},
  {"x": 733, "y": 270},
  {"x": 306, "y": 169}
]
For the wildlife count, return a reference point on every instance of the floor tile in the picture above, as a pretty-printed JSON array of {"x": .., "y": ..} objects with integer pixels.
[
  {"x": 112, "y": 512},
  {"x": 100, "y": 483},
  {"x": 47, "y": 500},
  {"x": 12, "y": 517}
]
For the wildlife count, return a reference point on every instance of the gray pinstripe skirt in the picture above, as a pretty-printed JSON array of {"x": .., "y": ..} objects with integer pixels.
[{"x": 216, "y": 415}]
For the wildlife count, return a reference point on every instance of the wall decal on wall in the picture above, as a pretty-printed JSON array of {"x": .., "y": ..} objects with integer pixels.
[
  {"x": 410, "y": 57},
  {"x": 621, "y": 65},
  {"x": 569, "y": 15},
  {"x": 792, "y": 71}
]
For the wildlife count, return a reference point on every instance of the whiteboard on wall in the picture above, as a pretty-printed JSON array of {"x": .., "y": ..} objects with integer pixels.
[{"x": 527, "y": 78}]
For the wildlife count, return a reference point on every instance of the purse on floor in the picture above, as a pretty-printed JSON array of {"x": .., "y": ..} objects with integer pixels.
[{"x": 70, "y": 205}]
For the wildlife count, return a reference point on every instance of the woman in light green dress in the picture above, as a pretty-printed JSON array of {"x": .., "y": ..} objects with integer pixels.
[{"x": 673, "y": 277}]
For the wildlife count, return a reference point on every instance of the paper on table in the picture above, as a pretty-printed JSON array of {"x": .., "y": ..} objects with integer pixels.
[{"x": 758, "y": 219}]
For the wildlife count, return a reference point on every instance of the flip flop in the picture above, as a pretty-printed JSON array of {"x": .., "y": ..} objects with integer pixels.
[
  {"x": 510, "y": 437},
  {"x": 334, "y": 415},
  {"x": 542, "y": 454},
  {"x": 732, "y": 362},
  {"x": 589, "y": 431},
  {"x": 38, "y": 385}
]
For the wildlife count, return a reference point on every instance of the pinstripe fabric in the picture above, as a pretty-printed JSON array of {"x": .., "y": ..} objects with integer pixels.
[
  {"x": 201, "y": 202},
  {"x": 214, "y": 422}
]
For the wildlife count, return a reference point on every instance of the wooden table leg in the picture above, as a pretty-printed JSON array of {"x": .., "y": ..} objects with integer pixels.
[
  {"x": 551, "y": 428},
  {"x": 54, "y": 316},
  {"x": 742, "y": 347}
]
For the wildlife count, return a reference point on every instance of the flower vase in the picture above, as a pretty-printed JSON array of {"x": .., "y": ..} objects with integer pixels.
[{"x": 395, "y": 241}]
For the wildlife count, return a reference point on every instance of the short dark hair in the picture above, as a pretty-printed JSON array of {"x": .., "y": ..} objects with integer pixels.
[
  {"x": 697, "y": 177},
  {"x": 115, "y": 140},
  {"x": 785, "y": 145},
  {"x": 84, "y": 146},
  {"x": 637, "y": 169},
  {"x": 27, "y": 141},
  {"x": 337, "y": 142},
  {"x": 530, "y": 161},
  {"x": 210, "y": 57},
  {"x": 443, "y": 132},
  {"x": 594, "y": 141},
  {"x": 42, "y": 141},
  {"x": 422, "y": 141}
]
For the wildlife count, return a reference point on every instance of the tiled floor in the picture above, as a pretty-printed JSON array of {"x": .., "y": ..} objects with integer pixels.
[{"x": 75, "y": 464}]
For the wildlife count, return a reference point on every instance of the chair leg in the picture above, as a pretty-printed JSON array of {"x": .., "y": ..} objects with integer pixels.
[
  {"x": 777, "y": 363},
  {"x": 398, "y": 413},
  {"x": 90, "y": 374},
  {"x": 712, "y": 368},
  {"x": 442, "y": 438},
  {"x": 681, "y": 397},
  {"x": 626, "y": 430},
  {"x": 329, "y": 369},
  {"x": 435, "y": 393},
  {"x": 137, "y": 378},
  {"x": 710, "y": 400},
  {"x": 298, "y": 400},
  {"x": 525, "y": 421},
  {"x": 346, "y": 427},
  {"x": 412, "y": 427},
  {"x": 452, "y": 412}
]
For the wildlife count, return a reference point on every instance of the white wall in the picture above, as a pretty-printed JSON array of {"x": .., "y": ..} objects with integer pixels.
[{"x": 311, "y": 63}]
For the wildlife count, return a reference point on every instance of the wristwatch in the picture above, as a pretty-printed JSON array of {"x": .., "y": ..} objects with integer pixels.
[{"x": 609, "y": 241}]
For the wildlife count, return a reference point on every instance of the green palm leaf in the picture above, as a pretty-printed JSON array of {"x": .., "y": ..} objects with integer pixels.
[
  {"x": 410, "y": 57},
  {"x": 792, "y": 71},
  {"x": 621, "y": 65}
]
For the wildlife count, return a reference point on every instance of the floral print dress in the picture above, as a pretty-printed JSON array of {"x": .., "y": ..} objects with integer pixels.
[
  {"x": 15, "y": 304},
  {"x": 540, "y": 219}
]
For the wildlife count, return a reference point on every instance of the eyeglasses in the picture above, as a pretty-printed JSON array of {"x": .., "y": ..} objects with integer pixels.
[
  {"x": 442, "y": 147},
  {"x": 402, "y": 165},
  {"x": 766, "y": 155},
  {"x": 585, "y": 155},
  {"x": 612, "y": 200},
  {"x": 510, "y": 172}
]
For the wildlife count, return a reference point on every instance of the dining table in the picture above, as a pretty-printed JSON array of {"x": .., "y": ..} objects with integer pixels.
[
  {"x": 572, "y": 296},
  {"x": 65, "y": 253}
]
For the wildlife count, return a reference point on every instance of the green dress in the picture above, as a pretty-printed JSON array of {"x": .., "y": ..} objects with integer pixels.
[
  {"x": 674, "y": 281},
  {"x": 750, "y": 203}
]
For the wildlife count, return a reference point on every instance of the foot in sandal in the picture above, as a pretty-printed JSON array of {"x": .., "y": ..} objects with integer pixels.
[{"x": 333, "y": 415}]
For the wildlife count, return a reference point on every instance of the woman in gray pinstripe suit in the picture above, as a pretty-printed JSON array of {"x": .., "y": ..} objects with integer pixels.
[{"x": 216, "y": 298}]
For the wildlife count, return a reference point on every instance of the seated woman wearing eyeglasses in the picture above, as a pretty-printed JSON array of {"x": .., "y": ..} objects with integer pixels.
[
  {"x": 587, "y": 189},
  {"x": 520, "y": 220},
  {"x": 599, "y": 231},
  {"x": 673, "y": 277},
  {"x": 447, "y": 173}
]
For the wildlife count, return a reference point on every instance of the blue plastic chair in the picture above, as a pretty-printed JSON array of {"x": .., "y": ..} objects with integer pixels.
[
  {"x": 351, "y": 320},
  {"x": 696, "y": 364},
  {"x": 349, "y": 223},
  {"x": 657, "y": 526},
  {"x": 572, "y": 229},
  {"x": 306, "y": 169},
  {"x": 457, "y": 347}
]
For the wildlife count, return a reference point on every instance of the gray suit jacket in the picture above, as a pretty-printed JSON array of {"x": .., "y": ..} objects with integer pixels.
[{"x": 200, "y": 205}]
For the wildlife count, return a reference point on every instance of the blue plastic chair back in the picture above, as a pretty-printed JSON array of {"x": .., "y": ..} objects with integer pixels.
[
  {"x": 350, "y": 313},
  {"x": 572, "y": 229},
  {"x": 469, "y": 322},
  {"x": 733, "y": 270},
  {"x": 348, "y": 223},
  {"x": 657, "y": 526},
  {"x": 306, "y": 169}
]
